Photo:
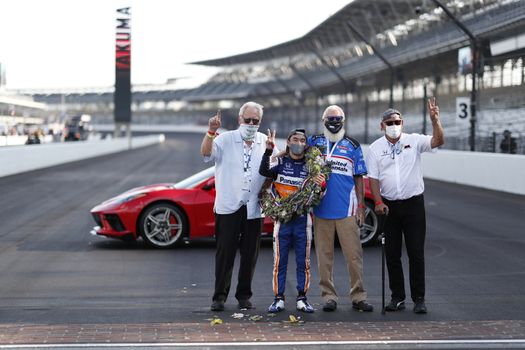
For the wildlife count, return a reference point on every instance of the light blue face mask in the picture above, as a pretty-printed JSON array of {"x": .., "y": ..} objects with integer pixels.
[
  {"x": 248, "y": 131},
  {"x": 297, "y": 149}
]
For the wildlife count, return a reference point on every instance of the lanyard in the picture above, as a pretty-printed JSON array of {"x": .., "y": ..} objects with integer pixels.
[
  {"x": 330, "y": 152},
  {"x": 247, "y": 157}
]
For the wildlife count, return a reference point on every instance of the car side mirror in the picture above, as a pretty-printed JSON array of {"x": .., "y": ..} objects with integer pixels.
[{"x": 209, "y": 185}]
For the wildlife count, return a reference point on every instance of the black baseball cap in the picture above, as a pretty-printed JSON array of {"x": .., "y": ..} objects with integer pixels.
[
  {"x": 297, "y": 131},
  {"x": 386, "y": 114}
]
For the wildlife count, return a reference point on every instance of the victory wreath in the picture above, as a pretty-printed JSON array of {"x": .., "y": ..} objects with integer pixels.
[{"x": 299, "y": 202}]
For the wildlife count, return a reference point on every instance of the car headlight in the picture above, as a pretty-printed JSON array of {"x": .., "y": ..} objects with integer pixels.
[{"x": 129, "y": 198}]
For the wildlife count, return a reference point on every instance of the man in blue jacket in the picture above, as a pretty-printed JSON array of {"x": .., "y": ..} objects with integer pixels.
[{"x": 341, "y": 210}]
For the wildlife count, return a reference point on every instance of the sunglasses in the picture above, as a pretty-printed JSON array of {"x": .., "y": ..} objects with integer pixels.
[
  {"x": 254, "y": 121},
  {"x": 334, "y": 118},
  {"x": 396, "y": 150},
  {"x": 392, "y": 122}
]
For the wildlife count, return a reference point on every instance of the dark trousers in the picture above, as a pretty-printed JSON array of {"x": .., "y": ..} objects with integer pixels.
[
  {"x": 406, "y": 218},
  {"x": 234, "y": 231}
]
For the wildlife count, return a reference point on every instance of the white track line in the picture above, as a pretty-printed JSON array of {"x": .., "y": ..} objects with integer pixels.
[{"x": 458, "y": 343}]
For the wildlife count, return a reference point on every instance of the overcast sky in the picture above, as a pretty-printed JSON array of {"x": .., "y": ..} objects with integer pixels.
[{"x": 71, "y": 43}]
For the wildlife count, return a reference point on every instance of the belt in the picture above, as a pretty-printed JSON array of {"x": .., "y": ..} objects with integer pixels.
[{"x": 402, "y": 200}]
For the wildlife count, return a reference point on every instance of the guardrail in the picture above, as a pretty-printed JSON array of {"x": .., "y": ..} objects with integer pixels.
[
  {"x": 16, "y": 140},
  {"x": 19, "y": 159},
  {"x": 500, "y": 172},
  {"x": 155, "y": 128},
  {"x": 494, "y": 171}
]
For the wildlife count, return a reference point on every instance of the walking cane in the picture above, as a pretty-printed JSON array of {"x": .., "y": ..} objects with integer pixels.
[{"x": 383, "y": 219}]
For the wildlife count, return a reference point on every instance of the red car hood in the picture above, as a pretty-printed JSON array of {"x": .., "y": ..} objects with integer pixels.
[
  {"x": 119, "y": 199},
  {"x": 147, "y": 189}
]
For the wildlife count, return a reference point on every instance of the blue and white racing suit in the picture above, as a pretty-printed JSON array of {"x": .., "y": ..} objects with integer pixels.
[{"x": 289, "y": 175}]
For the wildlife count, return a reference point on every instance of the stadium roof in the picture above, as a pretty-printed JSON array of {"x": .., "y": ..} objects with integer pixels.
[
  {"x": 417, "y": 38},
  {"x": 334, "y": 58},
  {"x": 369, "y": 17}
]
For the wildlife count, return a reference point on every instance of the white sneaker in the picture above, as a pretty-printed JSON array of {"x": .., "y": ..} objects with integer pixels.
[
  {"x": 277, "y": 306},
  {"x": 304, "y": 306}
]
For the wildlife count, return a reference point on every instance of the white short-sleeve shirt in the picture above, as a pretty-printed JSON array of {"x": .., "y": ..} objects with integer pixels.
[
  {"x": 398, "y": 167},
  {"x": 231, "y": 190}
]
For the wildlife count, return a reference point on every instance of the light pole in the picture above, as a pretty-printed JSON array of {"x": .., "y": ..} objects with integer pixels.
[{"x": 474, "y": 52}]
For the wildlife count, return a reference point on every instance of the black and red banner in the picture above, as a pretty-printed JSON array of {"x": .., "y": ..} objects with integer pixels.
[{"x": 122, "y": 97}]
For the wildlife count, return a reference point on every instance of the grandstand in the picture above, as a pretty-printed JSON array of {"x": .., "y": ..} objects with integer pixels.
[
  {"x": 330, "y": 64},
  {"x": 17, "y": 113}
]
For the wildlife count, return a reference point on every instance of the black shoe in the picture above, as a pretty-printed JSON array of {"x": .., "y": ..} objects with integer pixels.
[
  {"x": 217, "y": 305},
  {"x": 362, "y": 306},
  {"x": 420, "y": 307},
  {"x": 245, "y": 304},
  {"x": 330, "y": 305},
  {"x": 395, "y": 305}
]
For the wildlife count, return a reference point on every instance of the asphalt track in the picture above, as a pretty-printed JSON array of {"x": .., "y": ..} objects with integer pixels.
[{"x": 54, "y": 272}]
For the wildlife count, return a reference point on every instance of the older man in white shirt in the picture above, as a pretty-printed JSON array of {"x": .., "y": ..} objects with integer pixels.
[
  {"x": 396, "y": 182},
  {"x": 238, "y": 224}
]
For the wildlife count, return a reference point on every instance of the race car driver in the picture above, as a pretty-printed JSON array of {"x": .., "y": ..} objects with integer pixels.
[{"x": 289, "y": 175}]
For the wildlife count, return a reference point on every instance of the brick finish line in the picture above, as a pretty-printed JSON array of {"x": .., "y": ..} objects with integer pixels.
[{"x": 230, "y": 331}]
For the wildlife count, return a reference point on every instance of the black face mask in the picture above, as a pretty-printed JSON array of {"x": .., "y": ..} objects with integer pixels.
[{"x": 333, "y": 127}]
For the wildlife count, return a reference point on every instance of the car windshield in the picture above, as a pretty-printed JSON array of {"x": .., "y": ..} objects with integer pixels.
[{"x": 194, "y": 180}]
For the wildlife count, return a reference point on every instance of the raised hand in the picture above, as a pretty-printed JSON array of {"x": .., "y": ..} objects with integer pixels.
[
  {"x": 215, "y": 122},
  {"x": 270, "y": 140},
  {"x": 433, "y": 109},
  {"x": 438, "y": 137}
]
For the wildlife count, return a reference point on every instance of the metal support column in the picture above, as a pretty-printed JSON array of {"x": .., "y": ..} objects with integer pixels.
[
  {"x": 312, "y": 88},
  {"x": 367, "y": 106},
  {"x": 474, "y": 47},
  {"x": 425, "y": 97},
  {"x": 336, "y": 73},
  {"x": 381, "y": 57}
]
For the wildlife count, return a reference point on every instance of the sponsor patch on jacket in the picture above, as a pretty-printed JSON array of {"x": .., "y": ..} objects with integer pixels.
[
  {"x": 341, "y": 166},
  {"x": 286, "y": 185}
]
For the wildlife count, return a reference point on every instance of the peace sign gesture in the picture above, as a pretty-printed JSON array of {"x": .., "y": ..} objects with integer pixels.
[
  {"x": 438, "y": 137},
  {"x": 270, "y": 141},
  {"x": 433, "y": 109}
]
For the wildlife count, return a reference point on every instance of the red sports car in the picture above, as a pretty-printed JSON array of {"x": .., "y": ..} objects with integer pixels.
[{"x": 166, "y": 214}]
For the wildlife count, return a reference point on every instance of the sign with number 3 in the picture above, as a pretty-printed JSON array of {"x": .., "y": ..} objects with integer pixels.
[{"x": 463, "y": 108}]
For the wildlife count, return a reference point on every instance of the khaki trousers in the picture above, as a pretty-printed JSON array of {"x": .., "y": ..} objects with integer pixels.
[{"x": 348, "y": 234}]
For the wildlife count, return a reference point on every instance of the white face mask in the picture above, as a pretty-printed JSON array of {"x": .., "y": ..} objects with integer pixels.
[
  {"x": 393, "y": 131},
  {"x": 248, "y": 131}
]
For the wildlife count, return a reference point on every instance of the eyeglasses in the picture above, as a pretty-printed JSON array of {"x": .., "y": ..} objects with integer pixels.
[
  {"x": 392, "y": 122},
  {"x": 334, "y": 118},
  {"x": 254, "y": 121}
]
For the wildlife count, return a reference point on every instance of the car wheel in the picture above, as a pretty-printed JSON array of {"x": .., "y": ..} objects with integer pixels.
[
  {"x": 162, "y": 225},
  {"x": 369, "y": 230}
]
